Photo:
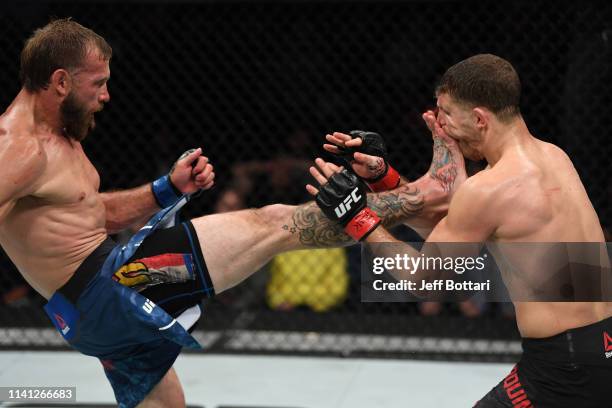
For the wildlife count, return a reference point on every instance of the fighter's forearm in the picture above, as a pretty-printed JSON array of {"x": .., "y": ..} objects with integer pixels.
[
  {"x": 127, "y": 207},
  {"x": 444, "y": 176}
]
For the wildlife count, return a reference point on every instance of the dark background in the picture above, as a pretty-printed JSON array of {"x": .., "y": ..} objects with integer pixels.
[{"x": 261, "y": 80}]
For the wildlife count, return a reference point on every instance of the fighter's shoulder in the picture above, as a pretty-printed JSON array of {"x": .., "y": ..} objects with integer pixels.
[
  {"x": 22, "y": 153},
  {"x": 474, "y": 206},
  {"x": 482, "y": 195},
  {"x": 558, "y": 157},
  {"x": 549, "y": 151},
  {"x": 522, "y": 172},
  {"x": 553, "y": 148},
  {"x": 481, "y": 185}
]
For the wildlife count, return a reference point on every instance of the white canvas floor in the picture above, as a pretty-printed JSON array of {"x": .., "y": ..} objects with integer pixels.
[{"x": 274, "y": 382}]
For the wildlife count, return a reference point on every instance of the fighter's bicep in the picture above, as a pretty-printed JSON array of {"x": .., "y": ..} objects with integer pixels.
[{"x": 471, "y": 218}]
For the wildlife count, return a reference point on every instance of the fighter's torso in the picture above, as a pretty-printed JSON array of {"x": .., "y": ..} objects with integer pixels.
[
  {"x": 542, "y": 200},
  {"x": 48, "y": 233}
]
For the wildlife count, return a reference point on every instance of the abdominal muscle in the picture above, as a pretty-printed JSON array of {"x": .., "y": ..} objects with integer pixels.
[
  {"x": 546, "y": 319},
  {"x": 49, "y": 241}
]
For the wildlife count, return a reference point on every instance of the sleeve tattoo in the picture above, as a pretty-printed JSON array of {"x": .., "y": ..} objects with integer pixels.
[{"x": 443, "y": 167}]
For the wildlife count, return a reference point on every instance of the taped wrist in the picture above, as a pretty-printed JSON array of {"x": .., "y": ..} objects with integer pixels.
[{"x": 165, "y": 192}]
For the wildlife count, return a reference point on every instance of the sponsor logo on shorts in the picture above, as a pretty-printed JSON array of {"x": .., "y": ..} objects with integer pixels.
[
  {"x": 164, "y": 268},
  {"x": 148, "y": 306},
  {"x": 346, "y": 205},
  {"x": 607, "y": 345},
  {"x": 515, "y": 391},
  {"x": 64, "y": 328}
]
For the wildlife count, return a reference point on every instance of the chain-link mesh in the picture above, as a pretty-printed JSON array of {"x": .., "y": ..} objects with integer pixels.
[{"x": 257, "y": 85}]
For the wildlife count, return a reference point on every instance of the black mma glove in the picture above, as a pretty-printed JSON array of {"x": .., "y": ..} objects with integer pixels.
[
  {"x": 343, "y": 199},
  {"x": 374, "y": 145}
]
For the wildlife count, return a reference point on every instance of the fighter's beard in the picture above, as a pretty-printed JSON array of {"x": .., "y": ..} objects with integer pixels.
[{"x": 77, "y": 121}]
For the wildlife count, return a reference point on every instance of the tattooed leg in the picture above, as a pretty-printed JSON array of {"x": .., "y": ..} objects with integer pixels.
[
  {"x": 313, "y": 229},
  {"x": 236, "y": 244},
  {"x": 421, "y": 203}
]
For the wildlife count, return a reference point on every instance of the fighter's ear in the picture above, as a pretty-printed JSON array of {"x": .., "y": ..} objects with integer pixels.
[
  {"x": 61, "y": 82},
  {"x": 481, "y": 117}
]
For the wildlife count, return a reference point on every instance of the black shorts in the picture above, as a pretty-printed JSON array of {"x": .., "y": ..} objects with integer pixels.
[
  {"x": 571, "y": 369},
  {"x": 168, "y": 268}
]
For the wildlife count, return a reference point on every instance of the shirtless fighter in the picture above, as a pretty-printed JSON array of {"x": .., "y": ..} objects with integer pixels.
[
  {"x": 530, "y": 192},
  {"x": 131, "y": 306}
]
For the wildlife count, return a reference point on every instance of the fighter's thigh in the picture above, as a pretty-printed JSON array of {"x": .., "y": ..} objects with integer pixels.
[
  {"x": 236, "y": 244},
  {"x": 168, "y": 393}
]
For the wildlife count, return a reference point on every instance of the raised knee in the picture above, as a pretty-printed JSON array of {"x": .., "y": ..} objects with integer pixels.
[{"x": 273, "y": 215}]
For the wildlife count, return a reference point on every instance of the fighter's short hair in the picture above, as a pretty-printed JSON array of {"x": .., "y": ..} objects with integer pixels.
[
  {"x": 63, "y": 43},
  {"x": 484, "y": 80}
]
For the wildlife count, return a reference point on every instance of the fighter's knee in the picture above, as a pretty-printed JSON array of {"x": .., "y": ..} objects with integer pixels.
[{"x": 271, "y": 215}]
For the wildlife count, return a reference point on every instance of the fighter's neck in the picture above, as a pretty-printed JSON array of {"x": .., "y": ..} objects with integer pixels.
[
  {"x": 504, "y": 138},
  {"x": 45, "y": 111}
]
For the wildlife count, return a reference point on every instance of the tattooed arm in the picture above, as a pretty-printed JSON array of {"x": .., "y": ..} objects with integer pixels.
[
  {"x": 447, "y": 169},
  {"x": 446, "y": 173}
]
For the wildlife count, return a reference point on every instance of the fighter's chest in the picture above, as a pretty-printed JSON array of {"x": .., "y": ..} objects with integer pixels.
[{"x": 69, "y": 176}]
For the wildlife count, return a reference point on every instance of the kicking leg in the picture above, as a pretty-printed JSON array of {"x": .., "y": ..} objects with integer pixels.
[{"x": 237, "y": 244}]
